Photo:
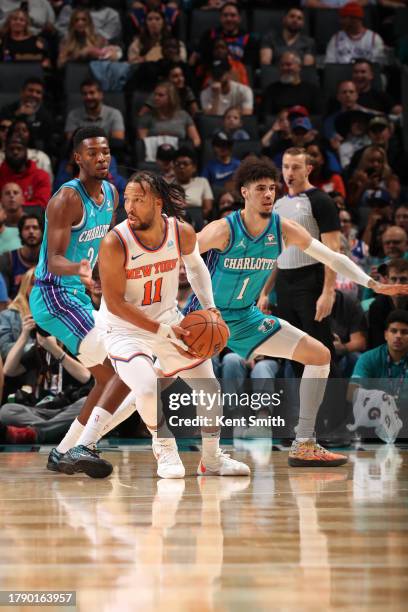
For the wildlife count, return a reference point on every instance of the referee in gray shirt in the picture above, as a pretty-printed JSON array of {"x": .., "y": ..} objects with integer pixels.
[{"x": 305, "y": 288}]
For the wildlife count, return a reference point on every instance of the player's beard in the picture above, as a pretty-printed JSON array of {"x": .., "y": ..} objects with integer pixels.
[{"x": 265, "y": 215}]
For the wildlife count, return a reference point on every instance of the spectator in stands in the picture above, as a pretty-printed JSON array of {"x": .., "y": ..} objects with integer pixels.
[
  {"x": 17, "y": 327},
  {"x": 321, "y": 175},
  {"x": 106, "y": 19},
  {"x": 40, "y": 13},
  {"x": 346, "y": 100},
  {"x": 9, "y": 238},
  {"x": 328, "y": 4},
  {"x": 82, "y": 43},
  {"x": 232, "y": 124},
  {"x": 368, "y": 96},
  {"x": 352, "y": 127},
  {"x": 165, "y": 156},
  {"x": 147, "y": 47},
  {"x": 388, "y": 361},
  {"x": 395, "y": 243},
  {"x": 242, "y": 45},
  {"x": 5, "y": 124},
  {"x": 21, "y": 128},
  {"x": 290, "y": 90},
  {"x": 197, "y": 189},
  {"x": 14, "y": 264},
  {"x": 373, "y": 172},
  {"x": 138, "y": 9},
  {"x": 349, "y": 328},
  {"x": 382, "y": 305},
  {"x": 95, "y": 112},
  {"x": 17, "y": 168},
  {"x": 289, "y": 38},
  {"x": 18, "y": 44},
  {"x": 188, "y": 101},
  {"x": 401, "y": 216},
  {"x": 223, "y": 92},
  {"x": 381, "y": 133},
  {"x": 278, "y": 137},
  {"x": 354, "y": 40},
  {"x": 12, "y": 200},
  {"x": 167, "y": 118},
  {"x": 356, "y": 249},
  {"x": 31, "y": 106},
  {"x": 219, "y": 171},
  {"x": 221, "y": 52},
  {"x": 374, "y": 208}
]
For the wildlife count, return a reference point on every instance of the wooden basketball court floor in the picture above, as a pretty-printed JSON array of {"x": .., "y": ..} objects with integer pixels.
[{"x": 283, "y": 539}]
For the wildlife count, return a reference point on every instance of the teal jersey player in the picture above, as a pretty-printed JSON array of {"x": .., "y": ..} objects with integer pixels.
[
  {"x": 238, "y": 274},
  {"x": 85, "y": 237}
]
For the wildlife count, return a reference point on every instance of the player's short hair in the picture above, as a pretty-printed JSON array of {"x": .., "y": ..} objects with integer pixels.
[
  {"x": 253, "y": 169},
  {"x": 172, "y": 195},
  {"x": 396, "y": 316},
  {"x": 87, "y": 132},
  {"x": 299, "y": 151}
]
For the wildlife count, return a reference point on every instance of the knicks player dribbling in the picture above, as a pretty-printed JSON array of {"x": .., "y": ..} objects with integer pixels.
[{"x": 139, "y": 269}]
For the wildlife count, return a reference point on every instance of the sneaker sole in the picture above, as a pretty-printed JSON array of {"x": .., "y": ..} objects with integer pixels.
[
  {"x": 293, "y": 462},
  {"x": 52, "y": 467},
  {"x": 88, "y": 467}
]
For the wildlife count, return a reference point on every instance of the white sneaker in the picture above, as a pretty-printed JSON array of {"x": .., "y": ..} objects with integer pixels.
[
  {"x": 168, "y": 460},
  {"x": 221, "y": 464}
]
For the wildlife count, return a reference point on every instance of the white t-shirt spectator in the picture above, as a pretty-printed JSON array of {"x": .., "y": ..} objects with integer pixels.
[
  {"x": 239, "y": 95},
  {"x": 197, "y": 190},
  {"x": 343, "y": 50}
]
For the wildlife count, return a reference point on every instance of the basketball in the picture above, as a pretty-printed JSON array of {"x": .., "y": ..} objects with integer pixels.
[{"x": 208, "y": 333}]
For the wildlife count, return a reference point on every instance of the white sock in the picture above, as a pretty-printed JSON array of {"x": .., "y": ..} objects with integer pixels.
[
  {"x": 71, "y": 437},
  {"x": 210, "y": 444},
  {"x": 93, "y": 429},
  {"x": 126, "y": 408},
  {"x": 312, "y": 388}
]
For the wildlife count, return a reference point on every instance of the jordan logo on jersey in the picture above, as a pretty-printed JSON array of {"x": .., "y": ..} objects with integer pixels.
[
  {"x": 99, "y": 231},
  {"x": 156, "y": 268}
]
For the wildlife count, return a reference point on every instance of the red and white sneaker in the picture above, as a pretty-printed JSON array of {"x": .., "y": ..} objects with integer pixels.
[
  {"x": 311, "y": 454},
  {"x": 221, "y": 464},
  {"x": 169, "y": 464}
]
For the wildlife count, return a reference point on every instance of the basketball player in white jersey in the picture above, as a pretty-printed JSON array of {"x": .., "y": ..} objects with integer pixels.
[{"x": 139, "y": 269}]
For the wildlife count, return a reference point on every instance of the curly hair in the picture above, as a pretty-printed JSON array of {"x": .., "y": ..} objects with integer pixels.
[
  {"x": 172, "y": 195},
  {"x": 253, "y": 169}
]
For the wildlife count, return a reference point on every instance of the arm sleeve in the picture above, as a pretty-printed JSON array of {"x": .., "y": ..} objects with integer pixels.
[
  {"x": 324, "y": 211},
  {"x": 338, "y": 262},
  {"x": 199, "y": 278}
]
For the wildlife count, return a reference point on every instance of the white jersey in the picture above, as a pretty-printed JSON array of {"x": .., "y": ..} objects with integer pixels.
[{"x": 152, "y": 276}]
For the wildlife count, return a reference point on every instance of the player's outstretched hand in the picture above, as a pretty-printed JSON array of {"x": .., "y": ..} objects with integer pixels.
[
  {"x": 85, "y": 274},
  {"x": 395, "y": 289}
]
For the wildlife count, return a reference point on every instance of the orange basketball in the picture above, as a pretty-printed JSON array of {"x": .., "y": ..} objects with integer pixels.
[{"x": 208, "y": 333}]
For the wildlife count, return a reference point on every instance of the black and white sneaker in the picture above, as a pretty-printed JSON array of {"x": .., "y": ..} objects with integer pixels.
[
  {"x": 83, "y": 459},
  {"x": 53, "y": 460}
]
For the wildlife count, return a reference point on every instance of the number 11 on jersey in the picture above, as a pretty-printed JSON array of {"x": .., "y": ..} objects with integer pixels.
[{"x": 147, "y": 297}]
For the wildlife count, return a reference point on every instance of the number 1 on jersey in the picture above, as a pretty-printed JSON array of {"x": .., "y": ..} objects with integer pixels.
[
  {"x": 244, "y": 286},
  {"x": 147, "y": 297}
]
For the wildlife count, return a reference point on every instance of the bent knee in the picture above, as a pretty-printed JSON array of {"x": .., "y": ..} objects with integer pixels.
[{"x": 321, "y": 355}]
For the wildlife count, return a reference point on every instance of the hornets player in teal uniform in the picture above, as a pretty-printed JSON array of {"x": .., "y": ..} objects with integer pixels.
[
  {"x": 242, "y": 252},
  {"x": 78, "y": 216}
]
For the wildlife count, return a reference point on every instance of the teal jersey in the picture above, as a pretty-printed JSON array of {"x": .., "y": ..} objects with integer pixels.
[
  {"x": 239, "y": 272},
  {"x": 85, "y": 237}
]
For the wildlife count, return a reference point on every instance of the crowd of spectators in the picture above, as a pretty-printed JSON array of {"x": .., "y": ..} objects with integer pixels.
[{"x": 188, "y": 89}]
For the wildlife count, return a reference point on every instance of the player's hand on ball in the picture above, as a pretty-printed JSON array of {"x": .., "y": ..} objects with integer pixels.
[
  {"x": 85, "y": 273},
  {"x": 181, "y": 347}
]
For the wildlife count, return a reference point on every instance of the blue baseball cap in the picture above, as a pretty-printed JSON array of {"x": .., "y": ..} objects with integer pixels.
[{"x": 301, "y": 122}]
